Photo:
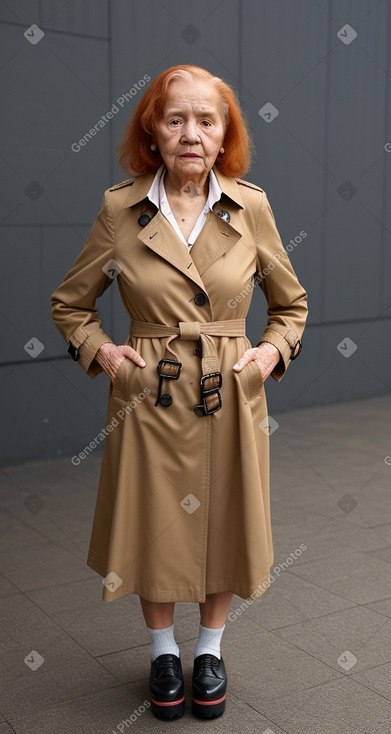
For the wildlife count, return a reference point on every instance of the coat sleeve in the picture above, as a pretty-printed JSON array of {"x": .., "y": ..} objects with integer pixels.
[
  {"x": 73, "y": 302},
  {"x": 286, "y": 298}
]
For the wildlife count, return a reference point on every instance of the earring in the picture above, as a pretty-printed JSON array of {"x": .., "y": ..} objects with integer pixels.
[
  {"x": 221, "y": 150},
  {"x": 153, "y": 146}
]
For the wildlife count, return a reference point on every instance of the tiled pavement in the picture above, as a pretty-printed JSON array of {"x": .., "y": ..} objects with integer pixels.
[{"x": 312, "y": 656}]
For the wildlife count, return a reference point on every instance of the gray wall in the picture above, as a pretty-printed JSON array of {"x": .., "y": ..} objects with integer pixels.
[{"x": 323, "y": 162}]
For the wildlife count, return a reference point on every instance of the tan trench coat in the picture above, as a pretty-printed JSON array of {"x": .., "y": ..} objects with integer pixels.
[{"x": 183, "y": 506}]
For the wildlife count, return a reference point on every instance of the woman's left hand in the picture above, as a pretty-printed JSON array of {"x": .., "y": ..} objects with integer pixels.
[{"x": 266, "y": 356}]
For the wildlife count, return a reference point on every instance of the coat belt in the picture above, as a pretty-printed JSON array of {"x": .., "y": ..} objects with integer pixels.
[{"x": 193, "y": 330}]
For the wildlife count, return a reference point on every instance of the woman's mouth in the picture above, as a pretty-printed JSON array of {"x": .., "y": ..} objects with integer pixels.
[{"x": 190, "y": 155}]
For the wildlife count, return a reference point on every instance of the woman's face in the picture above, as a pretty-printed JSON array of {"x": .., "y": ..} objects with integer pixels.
[{"x": 191, "y": 131}]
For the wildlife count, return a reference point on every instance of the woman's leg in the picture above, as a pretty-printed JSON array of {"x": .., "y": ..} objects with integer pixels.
[
  {"x": 157, "y": 615},
  {"x": 215, "y": 608},
  {"x": 159, "y": 618},
  {"x": 213, "y": 612},
  {"x": 209, "y": 674},
  {"x": 166, "y": 677}
]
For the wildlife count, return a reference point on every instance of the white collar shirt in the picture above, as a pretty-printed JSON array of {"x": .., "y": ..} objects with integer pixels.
[{"x": 157, "y": 195}]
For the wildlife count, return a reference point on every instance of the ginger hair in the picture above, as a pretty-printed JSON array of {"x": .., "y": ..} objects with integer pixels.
[{"x": 134, "y": 151}]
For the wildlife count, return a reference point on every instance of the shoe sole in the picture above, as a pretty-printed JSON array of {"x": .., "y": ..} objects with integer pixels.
[
  {"x": 208, "y": 709},
  {"x": 168, "y": 709}
]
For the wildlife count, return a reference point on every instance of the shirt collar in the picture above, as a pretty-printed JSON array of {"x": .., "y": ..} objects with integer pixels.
[
  {"x": 141, "y": 184},
  {"x": 157, "y": 193}
]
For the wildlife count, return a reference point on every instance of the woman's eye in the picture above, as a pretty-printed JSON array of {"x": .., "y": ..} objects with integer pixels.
[
  {"x": 206, "y": 123},
  {"x": 175, "y": 122}
]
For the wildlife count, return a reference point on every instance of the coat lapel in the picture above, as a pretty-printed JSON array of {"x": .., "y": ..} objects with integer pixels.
[
  {"x": 160, "y": 237},
  {"x": 216, "y": 237}
]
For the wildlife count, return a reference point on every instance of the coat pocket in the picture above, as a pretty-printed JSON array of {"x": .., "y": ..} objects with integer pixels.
[
  {"x": 252, "y": 376},
  {"x": 121, "y": 384}
]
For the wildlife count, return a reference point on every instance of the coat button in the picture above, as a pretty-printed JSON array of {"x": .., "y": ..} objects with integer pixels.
[
  {"x": 144, "y": 219},
  {"x": 198, "y": 409},
  {"x": 197, "y": 352},
  {"x": 223, "y": 214},
  {"x": 166, "y": 399},
  {"x": 200, "y": 299}
]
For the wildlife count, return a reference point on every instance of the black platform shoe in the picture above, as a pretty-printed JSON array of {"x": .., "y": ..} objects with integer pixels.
[
  {"x": 209, "y": 686},
  {"x": 167, "y": 689}
]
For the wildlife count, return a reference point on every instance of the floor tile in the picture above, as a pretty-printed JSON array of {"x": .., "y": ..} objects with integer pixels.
[
  {"x": 355, "y": 576},
  {"x": 366, "y": 634},
  {"x": 263, "y": 667},
  {"x": 343, "y": 706},
  {"x": 62, "y": 671},
  {"x": 289, "y": 599},
  {"x": 378, "y": 679}
]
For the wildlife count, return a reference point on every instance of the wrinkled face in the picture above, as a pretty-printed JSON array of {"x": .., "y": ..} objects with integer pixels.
[{"x": 191, "y": 131}]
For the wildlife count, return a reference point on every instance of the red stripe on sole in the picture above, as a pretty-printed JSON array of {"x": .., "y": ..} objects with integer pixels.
[
  {"x": 168, "y": 703},
  {"x": 210, "y": 703}
]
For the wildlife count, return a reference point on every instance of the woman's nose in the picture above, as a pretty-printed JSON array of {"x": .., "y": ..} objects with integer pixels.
[{"x": 190, "y": 134}]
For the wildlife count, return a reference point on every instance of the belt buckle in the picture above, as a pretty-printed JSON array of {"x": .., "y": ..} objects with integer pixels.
[
  {"x": 170, "y": 374},
  {"x": 206, "y": 393},
  {"x": 73, "y": 351},
  {"x": 209, "y": 411},
  {"x": 293, "y": 350}
]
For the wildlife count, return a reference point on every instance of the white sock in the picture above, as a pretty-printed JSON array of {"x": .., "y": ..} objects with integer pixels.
[
  {"x": 163, "y": 642},
  {"x": 209, "y": 641}
]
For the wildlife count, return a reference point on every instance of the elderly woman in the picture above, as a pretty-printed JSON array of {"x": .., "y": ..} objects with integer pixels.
[{"x": 183, "y": 506}]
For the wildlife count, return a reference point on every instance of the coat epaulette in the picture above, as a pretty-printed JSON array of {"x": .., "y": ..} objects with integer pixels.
[
  {"x": 128, "y": 182},
  {"x": 248, "y": 183}
]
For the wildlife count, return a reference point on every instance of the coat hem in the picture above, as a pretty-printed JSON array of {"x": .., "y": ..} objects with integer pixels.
[{"x": 181, "y": 594}]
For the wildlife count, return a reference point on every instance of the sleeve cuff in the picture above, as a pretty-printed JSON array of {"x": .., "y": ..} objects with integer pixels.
[
  {"x": 288, "y": 344},
  {"x": 88, "y": 340}
]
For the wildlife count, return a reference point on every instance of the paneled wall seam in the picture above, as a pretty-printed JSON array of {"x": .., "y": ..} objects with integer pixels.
[
  {"x": 28, "y": 225},
  {"x": 45, "y": 29},
  {"x": 387, "y": 102},
  {"x": 41, "y": 278},
  {"x": 323, "y": 233}
]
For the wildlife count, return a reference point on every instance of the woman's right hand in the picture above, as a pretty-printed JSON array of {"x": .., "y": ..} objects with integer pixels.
[{"x": 110, "y": 356}]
